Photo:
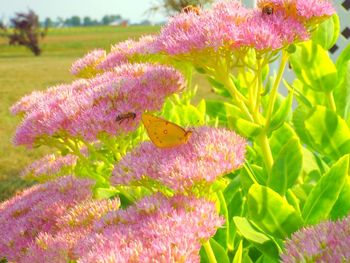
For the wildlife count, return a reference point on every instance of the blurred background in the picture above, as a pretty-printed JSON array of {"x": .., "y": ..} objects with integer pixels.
[{"x": 63, "y": 31}]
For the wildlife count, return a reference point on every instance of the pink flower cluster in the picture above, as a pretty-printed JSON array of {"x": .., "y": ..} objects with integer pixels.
[
  {"x": 230, "y": 25},
  {"x": 86, "y": 66},
  {"x": 208, "y": 154},
  {"x": 37, "y": 210},
  {"x": 325, "y": 242},
  {"x": 124, "y": 51},
  {"x": 155, "y": 229},
  {"x": 49, "y": 167},
  {"x": 303, "y": 10},
  {"x": 227, "y": 25},
  {"x": 59, "y": 222},
  {"x": 73, "y": 226},
  {"x": 88, "y": 107}
]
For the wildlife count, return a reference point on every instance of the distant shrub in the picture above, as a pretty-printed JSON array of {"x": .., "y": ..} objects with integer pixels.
[{"x": 27, "y": 31}]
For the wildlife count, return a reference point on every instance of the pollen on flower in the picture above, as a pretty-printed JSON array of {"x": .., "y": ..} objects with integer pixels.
[{"x": 209, "y": 154}]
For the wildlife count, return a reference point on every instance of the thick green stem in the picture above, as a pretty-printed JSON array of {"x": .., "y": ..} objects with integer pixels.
[
  {"x": 262, "y": 138},
  {"x": 257, "y": 92},
  {"x": 209, "y": 251},
  {"x": 265, "y": 147},
  {"x": 225, "y": 211},
  {"x": 331, "y": 101},
  {"x": 238, "y": 97},
  {"x": 274, "y": 90}
]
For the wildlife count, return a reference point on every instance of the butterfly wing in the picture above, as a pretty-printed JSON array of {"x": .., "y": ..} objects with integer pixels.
[{"x": 164, "y": 134}]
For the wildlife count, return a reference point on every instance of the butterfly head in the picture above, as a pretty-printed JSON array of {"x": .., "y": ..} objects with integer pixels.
[{"x": 187, "y": 136}]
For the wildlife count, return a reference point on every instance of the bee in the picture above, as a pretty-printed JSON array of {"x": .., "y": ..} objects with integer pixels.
[
  {"x": 267, "y": 9},
  {"x": 125, "y": 116},
  {"x": 191, "y": 9}
]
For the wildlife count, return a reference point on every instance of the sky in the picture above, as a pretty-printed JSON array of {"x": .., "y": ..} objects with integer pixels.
[{"x": 134, "y": 10}]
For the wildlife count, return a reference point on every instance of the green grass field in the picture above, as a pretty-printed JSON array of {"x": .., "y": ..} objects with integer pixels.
[{"x": 21, "y": 73}]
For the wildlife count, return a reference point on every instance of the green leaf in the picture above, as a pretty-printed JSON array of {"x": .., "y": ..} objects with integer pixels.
[
  {"x": 342, "y": 61},
  {"x": 105, "y": 193},
  {"x": 250, "y": 171},
  {"x": 260, "y": 240},
  {"x": 282, "y": 113},
  {"x": 269, "y": 84},
  {"x": 286, "y": 167},
  {"x": 323, "y": 130},
  {"x": 327, "y": 32},
  {"x": 238, "y": 256},
  {"x": 182, "y": 114},
  {"x": 342, "y": 91},
  {"x": 219, "y": 88},
  {"x": 342, "y": 207},
  {"x": 219, "y": 109},
  {"x": 311, "y": 165},
  {"x": 280, "y": 137},
  {"x": 271, "y": 212},
  {"x": 324, "y": 195},
  {"x": 243, "y": 127},
  {"x": 200, "y": 70},
  {"x": 313, "y": 66},
  {"x": 301, "y": 98},
  {"x": 219, "y": 251},
  {"x": 232, "y": 189}
]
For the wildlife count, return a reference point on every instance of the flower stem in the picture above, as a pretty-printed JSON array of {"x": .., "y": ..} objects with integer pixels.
[
  {"x": 274, "y": 90},
  {"x": 237, "y": 96},
  {"x": 331, "y": 101},
  {"x": 210, "y": 252},
  {"x": 265, "y": 147},
  {"x": 262, "y": 138},
  {"x": 223, "y": 206},
  {"x": 258, "y": 86}
]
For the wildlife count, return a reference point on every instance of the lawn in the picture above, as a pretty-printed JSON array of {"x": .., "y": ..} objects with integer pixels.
[{"x": 21, "y": 73}]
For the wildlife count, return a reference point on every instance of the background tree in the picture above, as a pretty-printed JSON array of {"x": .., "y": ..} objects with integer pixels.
[
  {"x": 108, "y": 19},
  {"x": 48, "y": 22},
  {"x": 171, "y": 7},
  {"x": 73, "y": 21},
  {"x": 26, "y": 31},
  {"x": 87, "y": 21}
]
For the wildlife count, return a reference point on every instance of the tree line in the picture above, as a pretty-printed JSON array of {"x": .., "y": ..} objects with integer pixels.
[{"x": 82, "y": 21}]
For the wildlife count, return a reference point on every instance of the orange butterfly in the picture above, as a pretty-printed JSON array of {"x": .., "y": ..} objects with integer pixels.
[{"x": 164, "y": 134}]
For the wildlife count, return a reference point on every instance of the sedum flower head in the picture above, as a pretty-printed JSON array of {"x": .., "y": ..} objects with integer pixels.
[
  {"x": 124, "y": 51},
  {"x": 39, "y": 99},
  {"x": 325, "y": 242},
  {"x": 85, "y": 67},
  {"x": 306, "y": 11},
  {"x": 209, "y": 154},
  {"x": 155, "y": 229},
  {"x": 73, "y": 226},
  {"x": 89, "y": 107},
  {"x": 228, "y": 26},
  {"x": 36, "y": 210},
  {"x": 185, "y": 33},
  {"x": 271, "y": 32},
  {"x": 50, "y": 167}
]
